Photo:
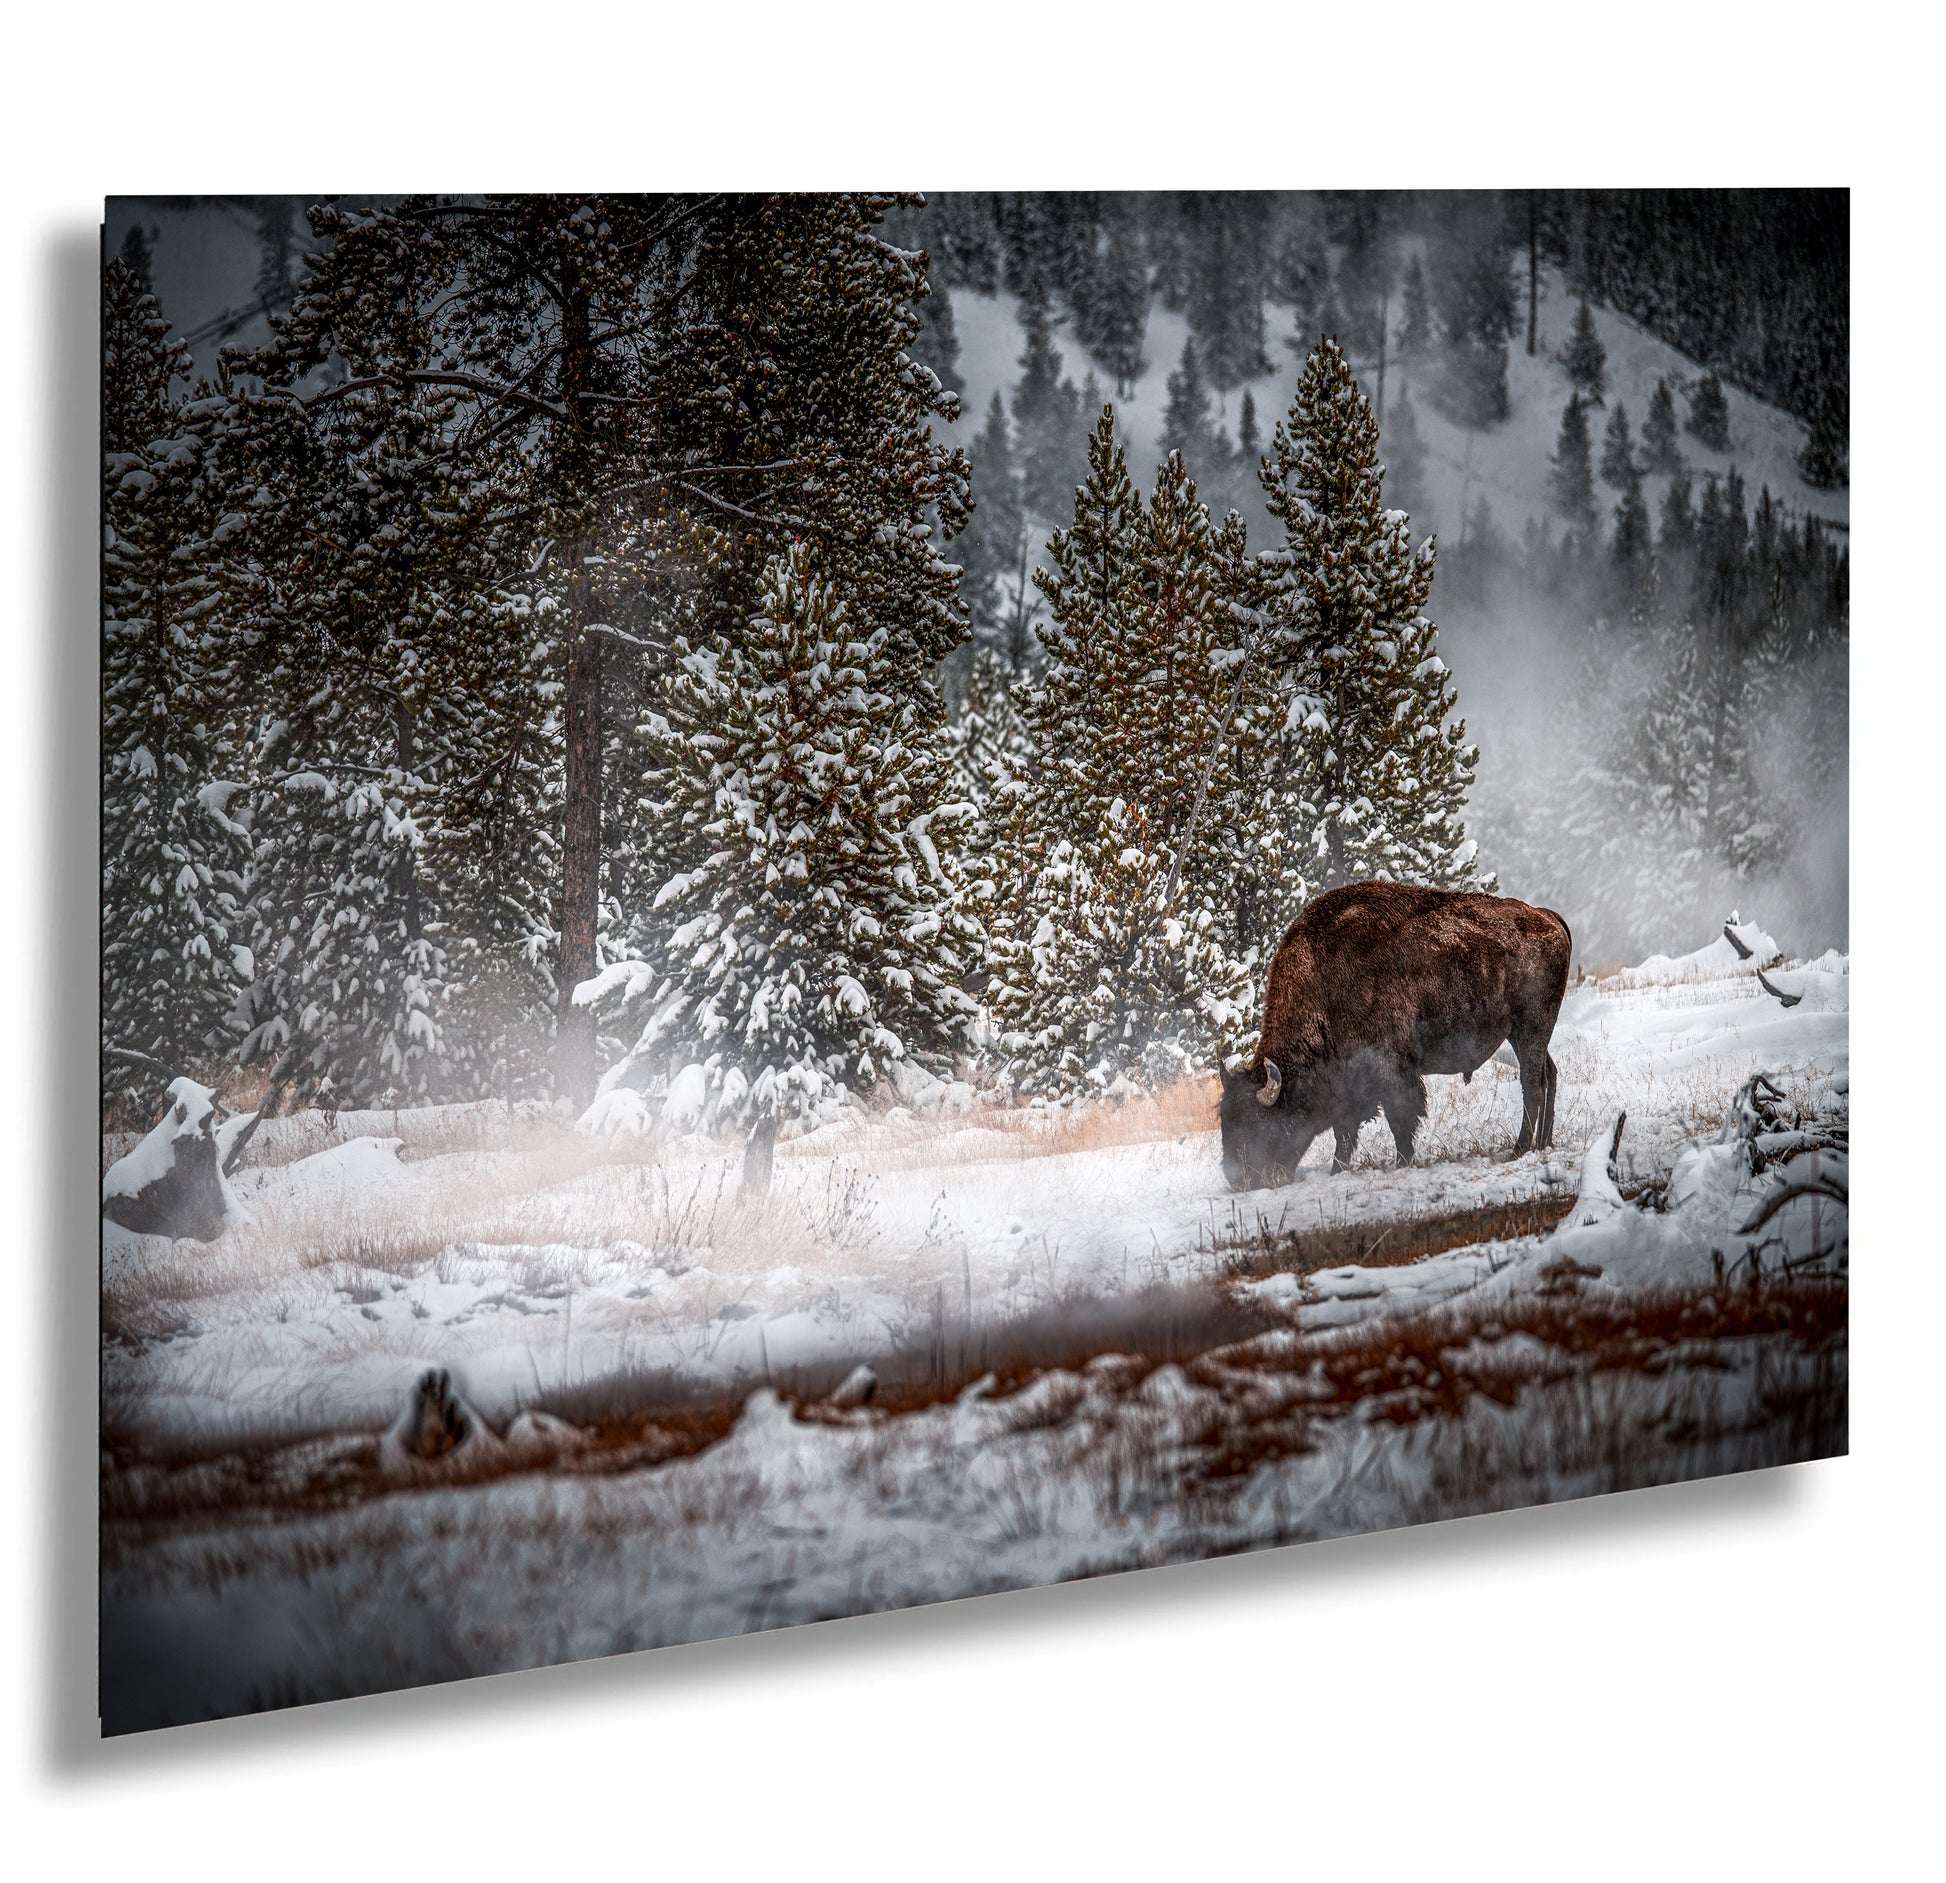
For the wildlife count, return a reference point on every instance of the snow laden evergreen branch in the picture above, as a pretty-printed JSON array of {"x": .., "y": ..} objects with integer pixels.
[
  {"x": 1097, "y": 983},
  {"x": 1259, "y": 624},
  {"x": 1382, "y": 765},
  {"x": 807, "y": 934}
]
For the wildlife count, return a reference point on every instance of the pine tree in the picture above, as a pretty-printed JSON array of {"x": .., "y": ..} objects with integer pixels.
[
  {"x": 1825, "y": 462},
  {"x": 988, "y": 744},
  {"x": 493, "y": 852},
  {"x": 349, "y": 981},
  {"x": 808, "y": 934},
  {"x": 1047, "y": 415},
  {"x": 1632, "y": 544},
  {"x": 1618, "y": 451},
  {"x": 1114, "y": 944},
  {"x": 1117, "y": 308},
  {"x": 1415, "y": 320},
  {"x": 1237, "y": 489},
  {"x": 1088, "y": 583},
  {"x": 1709, "y": 414},
  {"x": 277, "y": 251},
  {"x": 1366, "y": 268},
  {"x": 1193, "y": 654},
  {"x": 1302, "y": 271},
  {"x": 962, "y": 232},
  {"x": 1405, "y": 458},
  {"x": 1676, "y": 537},
  {"x": 938, "y": 341},
  {"x": 1471, "y": 276},
  {"x": 1634, "y": 807},
  {"x": 992, "y": 546},
  {"x": 1381, "y": 767},
  {"x": 618, "y": 397},
  {"x": 1225, "y": 302},
  {"x": 137, "y": 255},
  {"x": 174, "y": 852},
  {"x": 1331, "y": 320},
  {"x": 1482, "y": 552},
  {"x": 1571, "y": 481},
  {"x": 1249, "y": 436},
  {"x": 1188, "y": 425},
  {"x": 1032, "y": 262},
  {"x": 1585, "y": 358},
  {"x": 1661, "y": 452}
]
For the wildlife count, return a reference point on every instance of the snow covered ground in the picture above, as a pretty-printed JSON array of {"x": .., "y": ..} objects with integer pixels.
[{"x": 1093, "y": 1355}]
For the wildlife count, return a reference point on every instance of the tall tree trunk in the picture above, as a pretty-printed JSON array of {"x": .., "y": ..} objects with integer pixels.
[{"x": 574, "y": 1033}]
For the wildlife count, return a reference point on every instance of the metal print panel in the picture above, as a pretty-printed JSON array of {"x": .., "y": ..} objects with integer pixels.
[{"x": 818, "y": 902}]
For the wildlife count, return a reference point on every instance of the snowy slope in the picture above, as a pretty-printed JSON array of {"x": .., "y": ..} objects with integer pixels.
[{"x": 1508, "y": 464}]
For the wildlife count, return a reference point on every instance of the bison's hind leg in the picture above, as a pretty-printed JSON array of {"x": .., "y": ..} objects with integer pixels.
[
  {"x": 1536, "y": 1097},
  {"x": 1405, "y": 1105}
]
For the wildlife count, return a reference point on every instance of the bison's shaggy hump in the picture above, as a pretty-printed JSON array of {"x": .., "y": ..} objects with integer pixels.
[{"x": 1376, "y": 985}]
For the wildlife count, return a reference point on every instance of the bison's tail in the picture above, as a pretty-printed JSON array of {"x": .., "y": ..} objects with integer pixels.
[{"x": 1565, "y": 930}]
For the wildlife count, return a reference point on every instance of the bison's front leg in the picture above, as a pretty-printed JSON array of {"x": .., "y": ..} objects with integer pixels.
[
  {"x": 1344, "y": 1142},
  {"x": 1405, "y": 1105}
]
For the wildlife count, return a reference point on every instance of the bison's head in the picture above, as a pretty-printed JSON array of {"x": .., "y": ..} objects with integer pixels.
[{"x": 1265, "y": 1134}]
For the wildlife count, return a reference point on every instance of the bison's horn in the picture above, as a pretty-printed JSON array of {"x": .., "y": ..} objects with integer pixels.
[{"x": 1273, "y": 1084}]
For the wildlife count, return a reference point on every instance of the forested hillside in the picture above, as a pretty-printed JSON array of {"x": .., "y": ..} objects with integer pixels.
[
  {"x": 1624, "y": 416},
  {"x": 567, "y": 643}
]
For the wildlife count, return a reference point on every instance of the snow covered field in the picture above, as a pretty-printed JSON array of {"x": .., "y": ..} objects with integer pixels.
[{"x": 1090, "y": 1355}]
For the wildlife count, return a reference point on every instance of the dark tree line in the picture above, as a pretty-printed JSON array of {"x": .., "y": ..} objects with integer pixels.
[{"x": 1753, "y": 283}]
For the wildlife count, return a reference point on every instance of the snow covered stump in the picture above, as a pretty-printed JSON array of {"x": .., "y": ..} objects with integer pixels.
[{"x": 171, "y": 1184}]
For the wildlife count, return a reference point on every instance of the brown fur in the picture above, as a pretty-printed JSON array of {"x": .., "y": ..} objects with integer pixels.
[{"x": 1374, "y": 986}]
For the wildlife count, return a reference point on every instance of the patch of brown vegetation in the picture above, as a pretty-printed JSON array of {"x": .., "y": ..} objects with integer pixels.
[
  {"x": 146, "y": 1490},
  {"x": 1267, "y": 1394},
  {"x": 1266, "y": 1248},
  {"x": 996, "y": 1134},
  {"x": 1402, "y": 1369}
]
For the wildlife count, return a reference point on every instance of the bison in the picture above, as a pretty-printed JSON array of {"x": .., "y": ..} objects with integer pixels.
[{"x": 1374, "y": 986}]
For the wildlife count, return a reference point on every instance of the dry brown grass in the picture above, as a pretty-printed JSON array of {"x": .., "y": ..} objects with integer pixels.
[
  {"x": 1254, "y": 1245},
  {"x": 1402, "y": 1369},
  {"x": 1003, "y": 1133}
]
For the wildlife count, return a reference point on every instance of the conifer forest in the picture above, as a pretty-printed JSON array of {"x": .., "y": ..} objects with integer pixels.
[{"x": 701, "y": 801}]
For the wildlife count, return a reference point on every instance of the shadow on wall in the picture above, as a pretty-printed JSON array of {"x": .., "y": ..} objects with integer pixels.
[{"x": 64, "y": 892}]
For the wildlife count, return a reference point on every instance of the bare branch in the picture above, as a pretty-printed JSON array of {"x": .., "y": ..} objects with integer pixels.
[
  {"x": 427, "y": 376},
  {"x": 1817, "y": 1184},
  {"x": 628, "y": 640},
  {"x": 487, "y": 389}
]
